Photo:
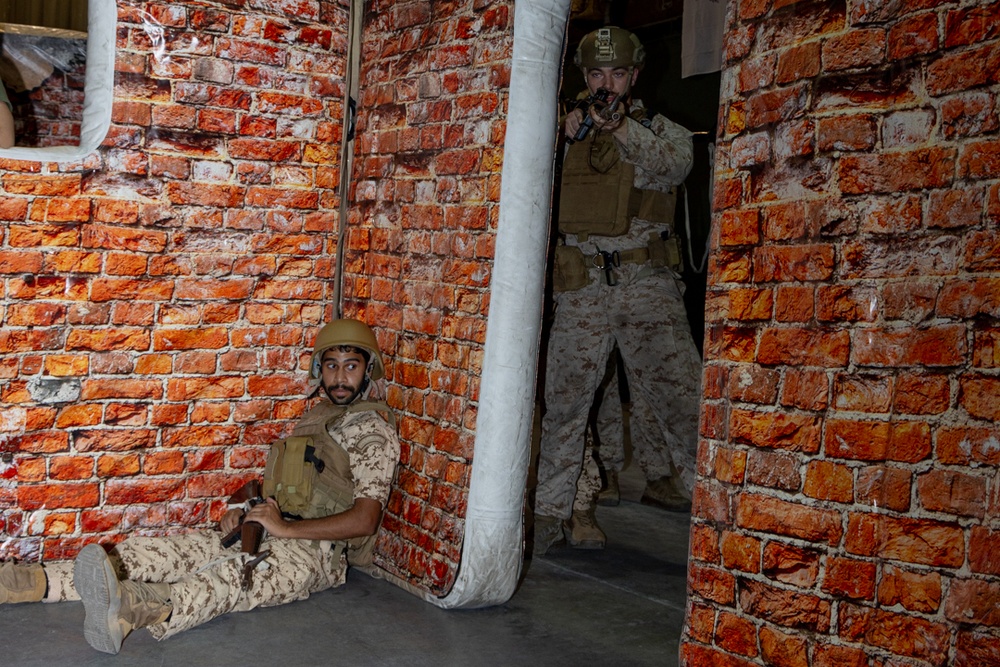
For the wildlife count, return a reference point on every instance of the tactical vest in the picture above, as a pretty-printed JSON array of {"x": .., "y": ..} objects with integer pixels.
[
  {"x": 598, "y": 196},
  {"x": 309, "y": 472}
]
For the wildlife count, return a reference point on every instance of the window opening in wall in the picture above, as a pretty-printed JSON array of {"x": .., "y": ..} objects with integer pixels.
[{"x": 57, "y": 68}]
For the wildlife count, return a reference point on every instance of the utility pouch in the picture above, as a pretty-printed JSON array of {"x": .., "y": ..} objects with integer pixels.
[
  {"x": 658, "y": 207},
  {"x": 569, "y": 271},
  {"x": 593, "y": 202},
  {"x": 665, "y": 253},
  {"x": 290, "y": 474}
]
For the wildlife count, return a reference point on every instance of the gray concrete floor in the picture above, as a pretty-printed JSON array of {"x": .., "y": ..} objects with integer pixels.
[{"x": 620, "y": 606}]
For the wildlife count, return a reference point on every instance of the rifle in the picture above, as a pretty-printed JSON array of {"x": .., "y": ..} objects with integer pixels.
[
  {"x": 250, "y": 533},
  {"x": 605, "y": 103}
]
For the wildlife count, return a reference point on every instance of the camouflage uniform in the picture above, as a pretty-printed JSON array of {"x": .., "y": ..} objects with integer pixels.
[
  {"x": 205, "y": 579},
  {"x": 649, "y": 450},
  {"x": 644, "y": 314}
]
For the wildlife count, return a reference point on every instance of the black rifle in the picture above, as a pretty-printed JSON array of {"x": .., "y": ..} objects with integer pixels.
[{"x": 605, "y": 103}]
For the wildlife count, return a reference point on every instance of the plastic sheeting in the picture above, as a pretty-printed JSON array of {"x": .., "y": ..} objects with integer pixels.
[
  {"x": 31, "y": 53},
  {"x": 98, "y": 88}
]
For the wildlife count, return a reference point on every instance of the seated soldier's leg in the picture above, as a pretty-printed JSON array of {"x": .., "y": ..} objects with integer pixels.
[
  {"x": 59, "y": 580},
  {"x": 114, "y": 608},
  {"x": 167, "y": 559},
  {"x": 129, "y": 588},
  {"x": 293, "y": 570},
  {"x": 21, "y": 583}
]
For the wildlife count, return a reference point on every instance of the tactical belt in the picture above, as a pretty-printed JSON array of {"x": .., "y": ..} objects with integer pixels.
[
  {"x": 571, "y": 267},
  {"x": 619, "y": 257}
]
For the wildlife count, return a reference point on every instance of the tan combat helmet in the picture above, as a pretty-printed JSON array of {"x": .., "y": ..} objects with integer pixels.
[
  {"x": 610, "y": 46},
  {"x": 347, "y": 332}
]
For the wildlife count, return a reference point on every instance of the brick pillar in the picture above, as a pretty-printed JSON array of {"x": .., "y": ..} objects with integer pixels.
[
  {"x": 848, "y": 507},
  {"x": 432, "y": 116}
]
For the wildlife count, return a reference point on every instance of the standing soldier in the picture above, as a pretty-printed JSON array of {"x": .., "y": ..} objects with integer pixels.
[
  {"x": 326, "y": 487},
  {"x": 616, "y": 281}
]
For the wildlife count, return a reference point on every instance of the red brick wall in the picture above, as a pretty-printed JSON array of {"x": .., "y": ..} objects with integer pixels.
[
  {"x": 434, "y": 79},
  {"x": 52, "y": 113},
  {"x": 158, "y": 296},
  {"x": 848, "y": 511}
]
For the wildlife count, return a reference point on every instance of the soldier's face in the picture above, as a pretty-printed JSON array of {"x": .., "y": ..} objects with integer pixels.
[
  {"x": 618, "y": 80},
  {"x": 343, "y": 375}
]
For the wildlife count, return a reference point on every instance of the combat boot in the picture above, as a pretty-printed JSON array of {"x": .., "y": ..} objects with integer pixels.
[
  {"x": 663, "y": 493},
  {"x": 610, "y": 496},
  {"x": 21, "y": 583},
  {"x": 548, "y": 532},
  {"x": 582, "y": 531},
  {"x": 114, "y": 608}
]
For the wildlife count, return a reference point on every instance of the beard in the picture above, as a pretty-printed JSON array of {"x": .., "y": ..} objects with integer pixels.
[{"x": 343, "y": 399}]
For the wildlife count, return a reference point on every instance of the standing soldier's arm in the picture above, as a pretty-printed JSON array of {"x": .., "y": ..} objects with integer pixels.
[{"x": 664, "y": 149}]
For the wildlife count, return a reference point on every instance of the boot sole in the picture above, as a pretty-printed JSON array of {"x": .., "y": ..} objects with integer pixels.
[
  {"x": 96, "y": 582},
  {"x": 587, "y": 544},
  {"x": 583, "y": 544},
  {"x": 681, "y": 507}
]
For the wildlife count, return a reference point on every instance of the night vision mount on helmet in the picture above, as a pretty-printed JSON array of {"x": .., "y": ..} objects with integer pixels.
[{"x": 610, "y": 46}]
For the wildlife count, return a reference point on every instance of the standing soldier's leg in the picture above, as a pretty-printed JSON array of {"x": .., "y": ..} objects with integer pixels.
[
  {"x": 664, "y": 368},
  {"x": 610, "y": 424},
  {"x": 664, "y": 487},
  {"x": 582, "y": 531},
  {"x": 577, "y": 349}
]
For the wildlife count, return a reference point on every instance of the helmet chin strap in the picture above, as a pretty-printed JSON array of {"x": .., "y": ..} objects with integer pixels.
[{"x": 366, "y": 382}]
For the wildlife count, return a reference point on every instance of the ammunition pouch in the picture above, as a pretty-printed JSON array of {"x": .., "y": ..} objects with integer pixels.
[
  {"x": 309, "y": 473},
  {"x": 570, "y": 270},
  {"x": 665, "y": 252},
  {"x": 597, "y": 195},
  {"x": 291, "y": 474}
]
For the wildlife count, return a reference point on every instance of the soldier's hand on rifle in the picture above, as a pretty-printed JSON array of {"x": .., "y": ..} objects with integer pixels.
[
  {"x": 230, "y": 520},
  {"x": 268, "y": 515},
  {"x": 573, "y": 121},
  {"x": 606, "y": 122}
]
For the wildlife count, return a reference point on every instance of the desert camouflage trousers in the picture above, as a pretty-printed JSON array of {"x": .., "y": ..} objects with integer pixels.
[
  {"x": 644, "y": 314},
  {"x": 205, "y": 579}
]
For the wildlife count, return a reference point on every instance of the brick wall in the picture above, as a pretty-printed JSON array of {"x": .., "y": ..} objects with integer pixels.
[
  {"x": 420, "y": 246},
  {"x": 158, "y": 296},
  {"x": 848, "y": 511},
  {"x": 52, "y": 113}
]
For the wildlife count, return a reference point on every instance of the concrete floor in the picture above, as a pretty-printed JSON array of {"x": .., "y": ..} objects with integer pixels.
[{"x": 620, "y": 606}]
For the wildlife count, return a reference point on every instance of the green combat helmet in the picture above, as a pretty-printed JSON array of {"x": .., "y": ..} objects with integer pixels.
[
  {"x": 347, "y": 332},
  {"x": 610, "y": 46}
]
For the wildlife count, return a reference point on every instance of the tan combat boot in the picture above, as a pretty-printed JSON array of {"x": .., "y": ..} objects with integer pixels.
[
  {"x": 610, "y": 495},
  {"x": 582, "y": 531},
  {"x": 114, "y": 608},
  {"x": 548, "y": 532},
  {"x": 664, "y": 493},
  {"x": 21, "y": 583}
]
